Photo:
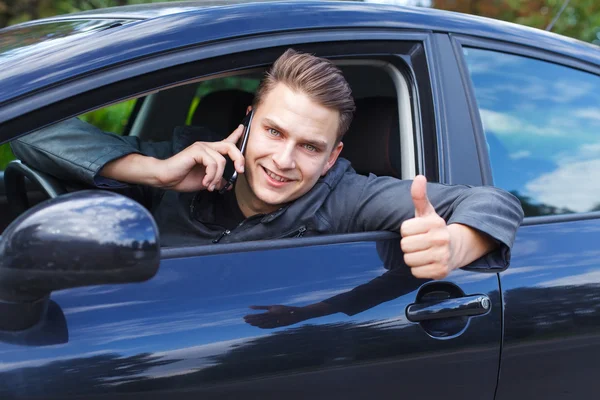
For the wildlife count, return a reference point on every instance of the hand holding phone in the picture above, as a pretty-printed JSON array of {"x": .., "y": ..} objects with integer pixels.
[{"x": 230, "y": 174}]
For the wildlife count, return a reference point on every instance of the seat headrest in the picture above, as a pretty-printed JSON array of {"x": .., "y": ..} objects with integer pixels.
[
  {"x": 372, "y": 144},
  {"x": 222, "y": 111}
]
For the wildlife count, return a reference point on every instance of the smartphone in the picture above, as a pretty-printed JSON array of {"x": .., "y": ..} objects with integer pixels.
[{"x": 230, "y": 174}]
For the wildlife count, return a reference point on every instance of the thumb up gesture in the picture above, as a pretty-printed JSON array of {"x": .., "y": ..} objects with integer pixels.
[{"x": 426, "y": 237}]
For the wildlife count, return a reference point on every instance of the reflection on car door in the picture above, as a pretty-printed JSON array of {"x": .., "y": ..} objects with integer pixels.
[
  {"x": 184, "y": 332},
  {"x": 552, "y": 312}
]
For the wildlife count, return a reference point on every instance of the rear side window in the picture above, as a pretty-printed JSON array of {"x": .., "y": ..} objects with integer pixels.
[{"x": 542, "y": 126}]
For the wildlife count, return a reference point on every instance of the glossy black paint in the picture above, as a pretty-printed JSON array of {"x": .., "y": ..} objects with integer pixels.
[
  {"x": 552, "y": 313},
  {"x": 78, "y": 239},
  {"x": 183, "y": 333},
  {"x": 466, "y": 306},
  {"x": 50, "y": 330}
]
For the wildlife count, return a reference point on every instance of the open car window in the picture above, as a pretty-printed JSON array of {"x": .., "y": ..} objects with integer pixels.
[{"x": 219, "y": 102}]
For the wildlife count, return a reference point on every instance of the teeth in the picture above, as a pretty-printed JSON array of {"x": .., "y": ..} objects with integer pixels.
[{"x": 276, "y": 177}]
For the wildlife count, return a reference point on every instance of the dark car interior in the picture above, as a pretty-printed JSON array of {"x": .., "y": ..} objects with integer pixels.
[{"x": 372, "y": 144}]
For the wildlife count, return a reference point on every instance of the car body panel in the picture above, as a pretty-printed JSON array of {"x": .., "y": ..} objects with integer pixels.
[
  {"x": 552, "y": 313},
  {"x": 183, "y": 332}
]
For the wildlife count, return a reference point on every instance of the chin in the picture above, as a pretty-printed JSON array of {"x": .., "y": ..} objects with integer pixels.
[{"x": 274, "y": 199}]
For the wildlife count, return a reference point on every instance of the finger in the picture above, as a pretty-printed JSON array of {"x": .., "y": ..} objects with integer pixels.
[
  {"x": 420, "y": 258},
  {"x": 235, "y": 135},
  {"x": 226, "y": 148},
  {"x": 264, "y": 319},
  {"x": 222, "y": 183},
  {"x": 220, "y": 160},
  {"x": 262, "y": 324},
  {"x": 210, "y": 170},
  {"x": 414, "y": 243},
  {"x": 417, "y": 226},
  {"x": 431, "y": 256},
  {"x": 418, "y": 191},
  {"x": 254, "y": 319},
  {"x": 431, "y": 271}
]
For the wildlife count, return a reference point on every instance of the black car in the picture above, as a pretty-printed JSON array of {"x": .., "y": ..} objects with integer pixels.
[{"x": 86, "y": 311}]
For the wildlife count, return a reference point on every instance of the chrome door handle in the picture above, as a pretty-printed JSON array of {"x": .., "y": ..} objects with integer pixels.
[{"x": 467, "y": 306}]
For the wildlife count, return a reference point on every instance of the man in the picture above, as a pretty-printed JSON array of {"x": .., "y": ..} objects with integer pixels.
[{"x": 291, "y": 179}]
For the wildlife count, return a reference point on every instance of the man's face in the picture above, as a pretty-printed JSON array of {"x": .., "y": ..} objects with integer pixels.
[{"x": 291, "y": 144}]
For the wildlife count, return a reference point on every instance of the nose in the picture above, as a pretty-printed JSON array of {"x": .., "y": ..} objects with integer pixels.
[{"x": 284, "y": 158}]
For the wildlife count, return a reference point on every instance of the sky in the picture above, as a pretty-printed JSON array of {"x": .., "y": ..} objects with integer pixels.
[{"x": 542, "y": 125}]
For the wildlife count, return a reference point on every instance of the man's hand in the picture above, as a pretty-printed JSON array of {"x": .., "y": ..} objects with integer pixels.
[
  {"x": 433, "y": 249},
  {"x": 426, "y": 240},
  {"x": 198, "y": 167},
  {"x": 275, "y": 316},
  {"x": 280, "y": 315}
]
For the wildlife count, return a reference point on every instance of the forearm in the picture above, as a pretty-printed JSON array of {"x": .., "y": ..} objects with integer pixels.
[
  {"x": 72, "y": 150},
  {"x": 467, "y": 245},
  {"x": 134, "y": 169}
]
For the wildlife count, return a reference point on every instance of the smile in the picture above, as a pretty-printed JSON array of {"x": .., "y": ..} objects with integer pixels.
[{"x": 276, "y": 177}]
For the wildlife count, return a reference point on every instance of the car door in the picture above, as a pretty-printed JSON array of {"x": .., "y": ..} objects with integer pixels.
[
  {"x": 184, "y": 333},
  {"x": 321, "y": 317},
  {"x": 540, "y": 114}
]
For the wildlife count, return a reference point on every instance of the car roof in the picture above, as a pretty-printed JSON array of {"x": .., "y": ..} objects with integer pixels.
[
  {"x": 158, "y": 28},
  {"x": 147, "y": 10}
]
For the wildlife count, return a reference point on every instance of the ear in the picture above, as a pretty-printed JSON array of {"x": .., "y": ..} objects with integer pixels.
[
  {"x": 332, "y": 157},
  {"x": 248, "y": 109}
]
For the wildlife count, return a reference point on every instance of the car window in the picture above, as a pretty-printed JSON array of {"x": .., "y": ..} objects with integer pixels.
[
  {"x": 6, "y": 155},
  {"x": 212, "y": 108},
  {"x": 113, "y": 118},
  {"x": 542, "y": 125},
  {"x": 245, "y": 84}
]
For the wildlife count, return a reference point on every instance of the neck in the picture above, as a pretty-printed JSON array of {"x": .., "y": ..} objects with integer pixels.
[{"x": 247, "y": 201}]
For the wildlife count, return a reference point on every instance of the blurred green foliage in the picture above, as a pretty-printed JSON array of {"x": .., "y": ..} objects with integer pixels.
[
  {"x": 113, "y": 118},
  {"x": 6, "y": 155},
  {"x": 580, "y": 19}
]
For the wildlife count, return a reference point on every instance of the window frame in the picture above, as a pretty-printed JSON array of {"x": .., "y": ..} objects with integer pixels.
[
  {"x": 461, "y": 41},
  {"x": 107, "y": 87}
]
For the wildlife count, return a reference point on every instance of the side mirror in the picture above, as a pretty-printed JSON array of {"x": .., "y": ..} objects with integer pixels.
[{"x": 79, "y": 239}]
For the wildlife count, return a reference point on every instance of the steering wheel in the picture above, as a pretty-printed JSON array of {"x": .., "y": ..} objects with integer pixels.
[{"x": 16, "y": 188}]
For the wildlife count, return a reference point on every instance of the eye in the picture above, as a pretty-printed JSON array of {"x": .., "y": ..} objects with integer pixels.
[
  {"x": 273, "y": 132},
  {"x": 310, "y": 148}
]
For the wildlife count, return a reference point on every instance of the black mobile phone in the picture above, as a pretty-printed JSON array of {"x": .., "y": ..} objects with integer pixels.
[{"x": 230, "y": 174}]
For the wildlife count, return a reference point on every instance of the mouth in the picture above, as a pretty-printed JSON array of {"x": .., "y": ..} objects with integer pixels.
[{"x": 275, "y": 177}]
